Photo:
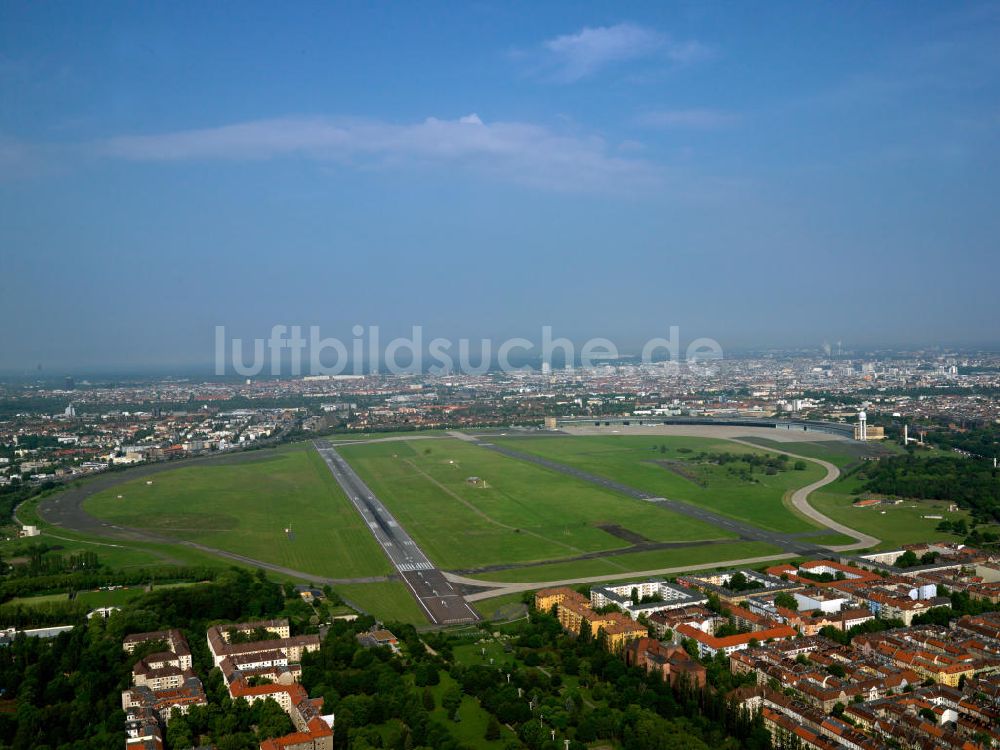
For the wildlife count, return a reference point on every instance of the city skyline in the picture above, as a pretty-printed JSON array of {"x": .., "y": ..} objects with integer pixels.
[{"x": 766, "y": 177}]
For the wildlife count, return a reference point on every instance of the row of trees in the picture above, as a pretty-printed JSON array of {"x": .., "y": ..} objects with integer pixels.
[{"x": 774, "y": 463}]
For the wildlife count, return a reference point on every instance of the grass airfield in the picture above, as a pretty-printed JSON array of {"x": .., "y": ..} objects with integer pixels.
[
  {"x": 519, "y": 522},
  {"x": 246, "y": 508},
  {"x": 675, "y": 473},
  {"x": 517, "y": 514}
]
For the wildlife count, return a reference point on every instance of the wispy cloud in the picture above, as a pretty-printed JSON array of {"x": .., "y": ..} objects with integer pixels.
[
  {"x": 692, "y": 119},
  {"x": 570, "y": 57},
  {"x": 20, "y": 159},
  {"x": 519, "y": 152}
]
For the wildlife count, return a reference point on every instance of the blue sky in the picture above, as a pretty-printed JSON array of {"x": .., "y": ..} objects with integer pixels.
[{"x": 763, "y": 174}]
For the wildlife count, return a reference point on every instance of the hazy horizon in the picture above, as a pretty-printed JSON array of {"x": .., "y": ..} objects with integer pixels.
[{"x": 773, "y": 176}]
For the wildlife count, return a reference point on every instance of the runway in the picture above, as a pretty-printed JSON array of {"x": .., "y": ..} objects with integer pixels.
[{"x": 440, "y": 600}]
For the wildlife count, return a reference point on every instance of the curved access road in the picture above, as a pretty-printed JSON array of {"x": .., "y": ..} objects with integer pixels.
[{"x": 800, "y": 501}]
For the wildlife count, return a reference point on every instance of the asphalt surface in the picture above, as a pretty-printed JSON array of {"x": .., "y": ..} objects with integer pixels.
[
  {"x": 787, "y": 542},
  {"x": 441, "y": 601}
]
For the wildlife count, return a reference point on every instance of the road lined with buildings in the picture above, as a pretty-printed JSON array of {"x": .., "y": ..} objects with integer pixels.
[{"x": 440, "y": 600}]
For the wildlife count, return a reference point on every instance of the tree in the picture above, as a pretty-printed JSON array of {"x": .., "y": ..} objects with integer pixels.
[
  {"x": 786, "y": 600},
  {"x": 451, "y": 700},
  {"x": 739, "y": 582},
  {"x": 179, "y": 732},
  {"x": 492, "y": 728},
  {"x": 425, "y": 674},
  {"x": 272, "y": 720},
  {"x": 428, "y": 699},
  {"x": 635, "y": 595}
]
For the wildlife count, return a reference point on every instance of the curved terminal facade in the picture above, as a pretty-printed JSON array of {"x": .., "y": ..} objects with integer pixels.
[{"x": 840, "y": 429}]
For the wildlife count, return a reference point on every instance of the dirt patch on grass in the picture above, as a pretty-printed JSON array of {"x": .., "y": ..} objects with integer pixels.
[
  {"x": 622, "y": 533},
  {"x": 681, "y": 469}
]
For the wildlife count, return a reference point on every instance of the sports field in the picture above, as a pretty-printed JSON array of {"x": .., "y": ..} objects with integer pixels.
[
  {"x": 246, "y": 508},
  {"x": 514, "y": 512},
  {"x": 675, "y": 472}
]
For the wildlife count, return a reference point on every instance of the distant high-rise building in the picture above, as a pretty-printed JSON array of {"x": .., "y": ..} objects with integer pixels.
[
  {"x": 70, "y": 411},
  {"x": 69, "y": 384}
]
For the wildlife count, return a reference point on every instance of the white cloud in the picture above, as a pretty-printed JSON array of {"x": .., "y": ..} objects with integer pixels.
[
  {"x": 570, "y": 57},
  {"x": 696, "y": 119},
  {"x": 518, "y": 152}
]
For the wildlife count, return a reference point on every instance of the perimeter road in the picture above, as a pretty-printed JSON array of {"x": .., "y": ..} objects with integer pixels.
[
  {"x": 440, "y": 600},
  {"x": 800, "y": 501}
]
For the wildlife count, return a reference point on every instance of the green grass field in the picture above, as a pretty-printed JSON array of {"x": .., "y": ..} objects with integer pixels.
[
  {"x": 524, "y": 513},
  {"x": 390, "y": 601},
  {"x": 501, "y": 608},
  {"x": 245, "y": 508},
  {"x": 33, "y": 601},
  {"x": 635, "y": 461},
  {"x": 893, "y": 524}
]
